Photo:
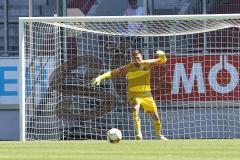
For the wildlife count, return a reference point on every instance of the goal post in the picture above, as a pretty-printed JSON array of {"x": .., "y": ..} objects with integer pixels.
[
  {"x": 21, "y": 81},
  {"x": 196, "y": 91}
]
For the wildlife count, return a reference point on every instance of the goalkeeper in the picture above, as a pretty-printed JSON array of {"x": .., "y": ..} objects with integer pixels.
[{"x": 138, "y": 74}]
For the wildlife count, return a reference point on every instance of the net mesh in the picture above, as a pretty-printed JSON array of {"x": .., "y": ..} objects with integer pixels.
[{"x": 196, "y": 91}]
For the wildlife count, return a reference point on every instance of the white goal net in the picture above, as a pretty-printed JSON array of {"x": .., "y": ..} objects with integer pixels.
[{"x": 196, "y": 91}]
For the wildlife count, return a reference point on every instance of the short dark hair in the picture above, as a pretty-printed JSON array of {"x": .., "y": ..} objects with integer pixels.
[{"x": 136, "y": 52}]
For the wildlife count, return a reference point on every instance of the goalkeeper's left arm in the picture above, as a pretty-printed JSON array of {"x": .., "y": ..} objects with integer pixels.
[
  {"x": 114, "y": 73},
  {"x": 160, "y": 60}
]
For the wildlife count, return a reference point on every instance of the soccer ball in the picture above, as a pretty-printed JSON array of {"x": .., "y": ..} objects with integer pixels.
[{"x": 114, "y": 135}]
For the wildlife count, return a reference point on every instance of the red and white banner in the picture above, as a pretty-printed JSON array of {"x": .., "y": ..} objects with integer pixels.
[{"x": 198, "y": 78}]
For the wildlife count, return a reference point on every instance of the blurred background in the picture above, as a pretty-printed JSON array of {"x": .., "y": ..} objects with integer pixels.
[{"x": 11, "y": 10}]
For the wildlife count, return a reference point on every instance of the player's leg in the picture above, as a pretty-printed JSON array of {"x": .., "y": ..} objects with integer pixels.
[
  {"x": 136, "y": 119},
  {"x": 134, "y": 103},
  {"x": 157, "y": 124},
  {"x": 150, "y": 107}
]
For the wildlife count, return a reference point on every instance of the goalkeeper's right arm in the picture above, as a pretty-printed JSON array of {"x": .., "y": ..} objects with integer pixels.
[
  {"x": 114, "y": 73},
  {"x": 96, "y": 81}
]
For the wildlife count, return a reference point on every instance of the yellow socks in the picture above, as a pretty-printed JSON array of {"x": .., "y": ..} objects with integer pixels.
[
  {"x": 137, "y": 123},
  {"x": 157, "y": 127}
]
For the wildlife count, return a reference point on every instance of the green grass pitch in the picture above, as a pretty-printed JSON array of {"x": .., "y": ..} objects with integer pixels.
[{"x": 227, "y": 149}]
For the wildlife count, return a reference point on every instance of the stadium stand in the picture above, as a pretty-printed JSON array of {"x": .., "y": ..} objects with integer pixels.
[
  {"x": 83, "y": 5},
  {"x": 18, "y": 9},
  {"x": 227, "y": 7},
  {"x": 169, "y": 7}
]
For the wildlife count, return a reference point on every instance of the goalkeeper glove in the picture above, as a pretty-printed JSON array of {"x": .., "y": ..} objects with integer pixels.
[
  {"x": 96, "y": 81},
  {"x": 160, "y": 54}
]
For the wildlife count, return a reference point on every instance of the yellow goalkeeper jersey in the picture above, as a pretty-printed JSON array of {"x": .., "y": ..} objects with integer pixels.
[{"x": 139, "y": 78}]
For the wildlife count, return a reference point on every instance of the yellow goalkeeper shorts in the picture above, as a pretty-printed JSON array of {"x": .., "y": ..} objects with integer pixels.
[{"x": 144, "y": 100}]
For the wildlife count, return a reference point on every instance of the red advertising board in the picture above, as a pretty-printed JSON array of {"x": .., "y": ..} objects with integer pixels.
[{"x": 197, "y": 78}]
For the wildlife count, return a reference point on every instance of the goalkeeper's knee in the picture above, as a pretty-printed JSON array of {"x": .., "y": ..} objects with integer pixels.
[{"x": 155, "y": 116}]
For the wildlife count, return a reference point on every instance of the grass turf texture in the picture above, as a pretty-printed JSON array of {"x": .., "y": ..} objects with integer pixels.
[{"x": 125, "y": 150}]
